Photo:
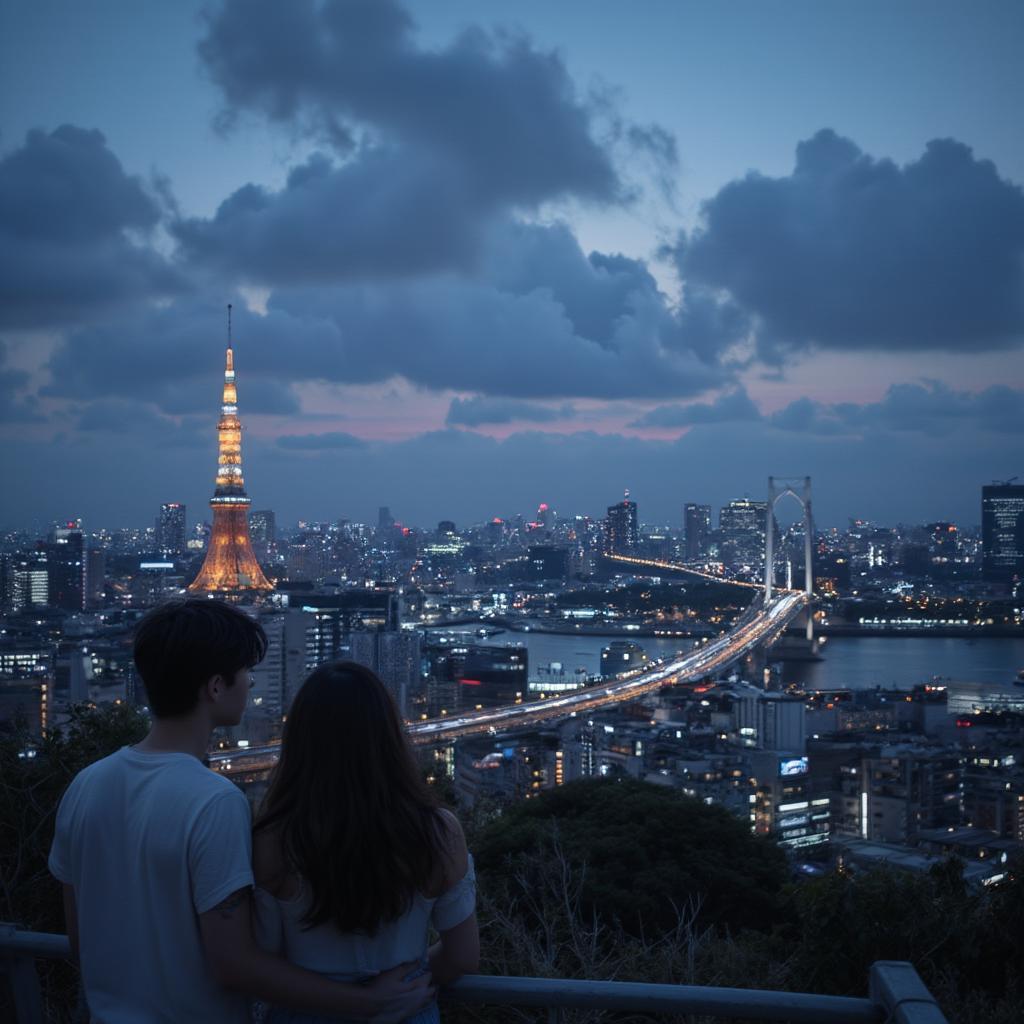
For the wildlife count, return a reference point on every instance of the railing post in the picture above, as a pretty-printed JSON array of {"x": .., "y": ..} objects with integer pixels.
[
  {"x": 897, "y": 989},
  {"x": 20, "y": 969}
]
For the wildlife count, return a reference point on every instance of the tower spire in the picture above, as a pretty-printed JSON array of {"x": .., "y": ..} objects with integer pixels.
[{"x": 230, "y": 563}]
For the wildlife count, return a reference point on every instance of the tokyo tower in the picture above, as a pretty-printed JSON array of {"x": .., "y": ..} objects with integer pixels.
[{"x": 230, "y": 565}]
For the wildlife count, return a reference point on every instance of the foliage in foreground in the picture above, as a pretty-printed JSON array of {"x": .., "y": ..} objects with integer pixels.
[
  {"x": 643, "y": 854},
  {"x": 539, "y": 917}
]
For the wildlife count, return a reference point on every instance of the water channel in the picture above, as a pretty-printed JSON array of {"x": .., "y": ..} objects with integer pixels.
[{"x": 896, "y": 662}]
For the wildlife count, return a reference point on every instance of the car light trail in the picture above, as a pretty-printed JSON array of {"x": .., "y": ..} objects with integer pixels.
[{"x": 757, "y": 626}]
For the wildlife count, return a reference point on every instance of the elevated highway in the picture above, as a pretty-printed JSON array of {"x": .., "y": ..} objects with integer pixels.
[
  {"x": 761, "y": 624},
  {"x": 649, "y": 566}
]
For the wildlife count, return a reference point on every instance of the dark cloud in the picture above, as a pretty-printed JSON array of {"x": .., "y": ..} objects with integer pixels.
[
  {"x": 806, "y": 416},
  {"x": 479, "y": 410},
  {"x": 387, "y": 214},
  {"x": 596, "y": 292},
  {"x": 850, "y": 252},
  {"x": 931, "y": 407},
  {"x": 319, "y": 442},
  {"x": 171, "y": 356},
  {"x": 15, "y": 405},
  {"x": 70, "y": 218},
  {"x": 470, "y": 336},
  {"x": 934, "y": 407},
  {"x": 602, "y": 293},
  {"x": 491, "y": 103},
  {"x": 117, "y": 415},
  {"x": 542, "y": 320},
  {"x": 732, "y": 406},
  {"x": 432, "y": 145}
]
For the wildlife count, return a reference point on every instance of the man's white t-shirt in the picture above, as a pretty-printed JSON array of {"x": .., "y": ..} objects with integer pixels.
[{"x": 149, "y": 842}]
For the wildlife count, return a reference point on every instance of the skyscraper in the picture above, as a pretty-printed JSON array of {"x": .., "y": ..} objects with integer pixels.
[
  {"x": 1002, "y": 531},
  {"x": 697, "y": 525},
  {"x": 621, "y": 531},
  {"x": 263, "y": 528},
  {"x": 742, "y": 523},
  {"x": 65, "y": 568},
  {"x": 170, "y": 529},
  {"x": 95, "y": 576},
  {"x": 395, "y": 655},
  {"x": 230, "y": 564}
]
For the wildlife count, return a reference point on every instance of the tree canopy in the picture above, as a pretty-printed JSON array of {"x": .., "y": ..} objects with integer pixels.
[{"x": 645, "y": 852}]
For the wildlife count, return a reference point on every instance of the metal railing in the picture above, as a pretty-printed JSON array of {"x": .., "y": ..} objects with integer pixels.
[{"x": 897, "y": 994}]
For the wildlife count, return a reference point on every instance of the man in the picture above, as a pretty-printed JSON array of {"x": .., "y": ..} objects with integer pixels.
[{"x": 154, "y": 851}]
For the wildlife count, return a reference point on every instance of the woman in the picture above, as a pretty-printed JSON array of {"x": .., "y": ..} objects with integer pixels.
[{"x": 353, "y": 857}]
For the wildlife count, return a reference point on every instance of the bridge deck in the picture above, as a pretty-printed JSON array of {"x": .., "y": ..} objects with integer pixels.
[{"x": 759, "y": 625}]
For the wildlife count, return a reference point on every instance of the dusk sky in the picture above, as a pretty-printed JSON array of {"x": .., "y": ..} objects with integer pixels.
[{"x": 484, "y": 255}]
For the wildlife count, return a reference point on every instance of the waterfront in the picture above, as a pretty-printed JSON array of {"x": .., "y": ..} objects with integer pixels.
[
  {"x": 900, "y": 662},
  {"x": 856, "y": 663}
]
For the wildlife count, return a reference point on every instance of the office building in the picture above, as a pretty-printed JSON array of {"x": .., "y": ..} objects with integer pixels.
[
  {"x": 95, "y": 576},
  {"x": 547, "y": 562},
  {"x": 993, "y": 794},
  {"x": 785, "y": 805},
  {"x": 942, "y": 542},
  {"x": 288, "y": 660},
  {"x": 906, "y": 789},
  {"x": 742, "y": 527},
  {"x": 770, "y": 721},
  {"x": 1002, "y": 531},
  {"x": 697, "y": 530},
  {"x": 24, "y": 583},
  {"x": 154, "y": 582},
  {"x": 170, "y": 530},
  {"x": 65, "y": 568},
  {"x": 621, "y": 531},
  {"x": 262, "y": 528},
  {"x": 396, "y": 657},
  {"x": 332, "y": 617},
  {"x": 470, "y": 675}
]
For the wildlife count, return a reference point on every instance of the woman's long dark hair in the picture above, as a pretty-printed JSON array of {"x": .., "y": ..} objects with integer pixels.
[{"x": 354, "y": 817}]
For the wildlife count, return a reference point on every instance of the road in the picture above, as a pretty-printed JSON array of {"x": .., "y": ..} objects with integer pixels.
[
  {"x": 758, "y": 625},
  {"x": 631, "y": 561}
]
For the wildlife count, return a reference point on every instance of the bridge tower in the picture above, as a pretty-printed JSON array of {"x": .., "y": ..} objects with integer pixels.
[{"x": 778, "y": 488}]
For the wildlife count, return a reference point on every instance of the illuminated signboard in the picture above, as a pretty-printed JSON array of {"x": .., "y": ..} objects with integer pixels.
[{"x": 793, "y": 766}]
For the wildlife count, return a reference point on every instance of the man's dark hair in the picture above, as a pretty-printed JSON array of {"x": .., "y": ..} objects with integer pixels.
[{"x": 181, "y": 644}]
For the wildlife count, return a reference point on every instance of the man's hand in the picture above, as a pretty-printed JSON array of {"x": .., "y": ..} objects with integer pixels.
[
  {"x": 239, "y": 965},
  {"x": 394, "y": 996}
]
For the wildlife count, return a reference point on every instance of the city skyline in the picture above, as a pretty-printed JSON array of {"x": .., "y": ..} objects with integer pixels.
[{"x": 481, "y": 257}]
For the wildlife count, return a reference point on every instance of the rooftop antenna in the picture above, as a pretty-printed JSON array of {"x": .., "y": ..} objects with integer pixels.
[{"x": 229, "y": 325}]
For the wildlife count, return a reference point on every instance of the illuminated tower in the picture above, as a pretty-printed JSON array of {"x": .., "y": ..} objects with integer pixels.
[{"x": 230, "y": 565}]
